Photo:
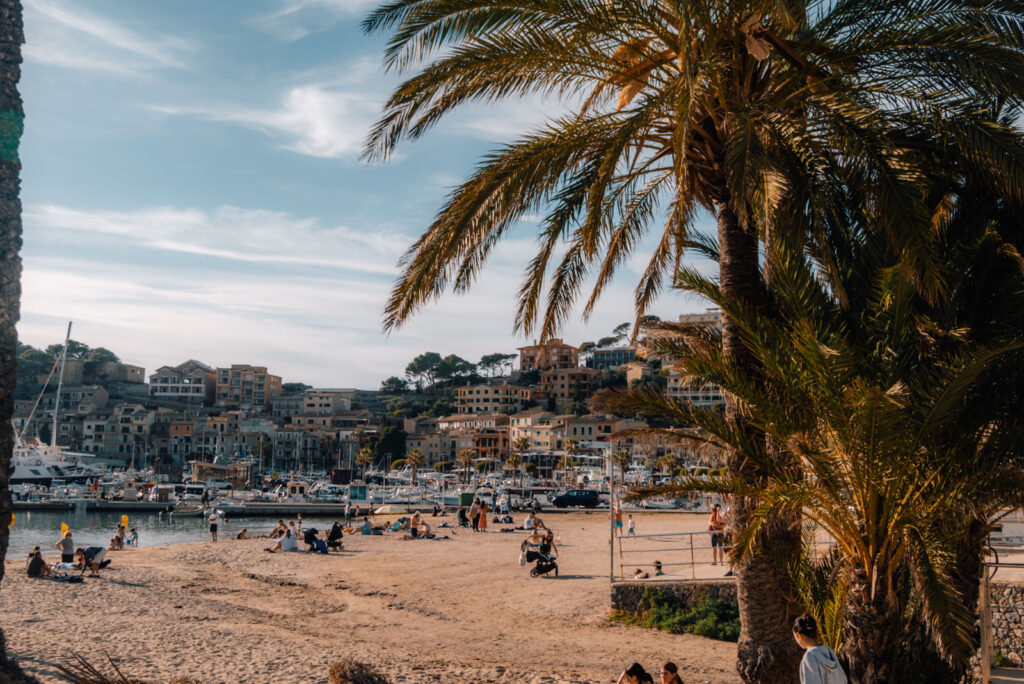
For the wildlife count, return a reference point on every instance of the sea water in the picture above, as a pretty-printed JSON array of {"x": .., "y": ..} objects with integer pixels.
[{"x": 42, "y": 528}]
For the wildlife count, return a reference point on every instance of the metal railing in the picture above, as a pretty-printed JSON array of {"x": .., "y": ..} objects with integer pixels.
[{"x": 693, "y": 554}]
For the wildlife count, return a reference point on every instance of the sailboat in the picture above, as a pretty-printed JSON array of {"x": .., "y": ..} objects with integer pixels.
[{"x": 38, "y": 463}]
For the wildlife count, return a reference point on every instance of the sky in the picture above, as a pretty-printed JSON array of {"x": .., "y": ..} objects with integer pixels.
[{"x": 192, "y": 189}]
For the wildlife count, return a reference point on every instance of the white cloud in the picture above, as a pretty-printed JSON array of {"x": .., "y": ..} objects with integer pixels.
[
  {"x": 60, "y": 34},
  {"x": 242, "y": 235},
  {"x": 295, "y": 19},
  {"x": 279, "y": 291},
  {"x": 316, "y": 119}
]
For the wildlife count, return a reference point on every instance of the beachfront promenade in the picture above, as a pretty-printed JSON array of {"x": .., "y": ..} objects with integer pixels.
[{"x": 460, "y": 609}]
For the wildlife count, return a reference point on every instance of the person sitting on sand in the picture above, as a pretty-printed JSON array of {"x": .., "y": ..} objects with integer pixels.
[
  {"x": 37, "y": 567},
  {"x": 366, "y": 528},
  {"x": 243, "y": 534},
  {"x": 640, "y": 574},
  {"x": 463, "y": 518},
  {"x": 657, "y": 568},
  {"x": 116, "y": 543},
  {"x": 532, "y": 522},
  {"x": 286, "y": 543},
  {"x": 278, "y": 531}
]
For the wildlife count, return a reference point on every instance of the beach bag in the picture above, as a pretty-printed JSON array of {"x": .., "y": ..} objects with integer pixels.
[{"x": 522, "y": 557}]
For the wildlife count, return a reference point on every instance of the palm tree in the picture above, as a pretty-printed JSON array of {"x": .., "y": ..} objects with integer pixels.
[
  {"x": 571, "y": 448},
  {"x": 364, "y": 458},
  {"x": 465, "y": 458},
  {"x": 414, "y": 458},
  {"x": 11, "y": 124},
  {"x": 513, "y": 461},
  {"x": 622, "y": 458},
  {"x": 749, "y": 121},
  {"x": 901, "y": 418},
  {"x": 327, "y": 444},
  {"x": 521, "y": 447}
]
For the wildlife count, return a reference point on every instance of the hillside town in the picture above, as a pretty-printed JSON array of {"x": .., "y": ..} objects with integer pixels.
[{"x": 240, "y": 420}]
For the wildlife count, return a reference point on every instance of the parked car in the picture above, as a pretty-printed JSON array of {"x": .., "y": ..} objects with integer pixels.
[
  {"x": 577, "y": 498},
  {"x": 218, "y": 484}
]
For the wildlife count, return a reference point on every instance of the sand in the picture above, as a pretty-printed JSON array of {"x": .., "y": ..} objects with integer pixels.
[{"x": 460, "y": 609}]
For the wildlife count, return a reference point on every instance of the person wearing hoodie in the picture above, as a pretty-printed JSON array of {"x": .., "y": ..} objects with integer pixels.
[{"x": 819, "y": 665}]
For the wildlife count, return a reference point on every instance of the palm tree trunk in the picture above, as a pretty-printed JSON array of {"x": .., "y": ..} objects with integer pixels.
[
  {"x": 767, "y": 652},
  {"x": 11, "y": 124}
]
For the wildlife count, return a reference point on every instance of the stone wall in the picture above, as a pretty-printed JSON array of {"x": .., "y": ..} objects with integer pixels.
[
  {"x": 1008, "y": 621},
  {"x": 626, "y": 595}
]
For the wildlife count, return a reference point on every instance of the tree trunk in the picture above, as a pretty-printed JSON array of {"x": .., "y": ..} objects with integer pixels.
[
  {"x": 767, "y": 652},
  {"x": 872, "y": 637},
  {"x": 11, "y": 124}
]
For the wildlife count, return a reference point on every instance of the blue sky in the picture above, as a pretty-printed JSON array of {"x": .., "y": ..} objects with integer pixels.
[{"x": 192, "y": 189}]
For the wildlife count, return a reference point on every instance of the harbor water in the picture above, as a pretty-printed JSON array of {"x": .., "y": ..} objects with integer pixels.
[{"x": 42, "y": 528}]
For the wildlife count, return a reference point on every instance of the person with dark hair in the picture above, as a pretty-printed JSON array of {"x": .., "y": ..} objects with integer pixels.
[
  {"x": 474, "y": 514},
  {"x": 820, "y": 664},
  {"x": 670, "y": 674},
  {"x": 634, "y": 674},
  {"x": 716, "y": 526},
  {"x": 37, "y": 567}
]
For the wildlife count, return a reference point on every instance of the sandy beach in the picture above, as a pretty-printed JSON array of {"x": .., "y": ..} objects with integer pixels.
[{"x": 458, "y": 609}]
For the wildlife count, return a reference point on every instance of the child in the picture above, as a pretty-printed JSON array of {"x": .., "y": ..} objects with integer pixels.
[
  {"x": 629, "y": 526},
  {"x": 134, "y": 540}
]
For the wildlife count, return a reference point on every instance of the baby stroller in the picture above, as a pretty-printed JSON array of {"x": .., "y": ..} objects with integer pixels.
[
  {"x": 545, "y": 562},
  {"x": 334, "y": 538},
  {"x": 315, "y": 545}
]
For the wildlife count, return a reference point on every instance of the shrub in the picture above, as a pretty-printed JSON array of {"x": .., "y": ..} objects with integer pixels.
[{"x": 708, "y": 617}]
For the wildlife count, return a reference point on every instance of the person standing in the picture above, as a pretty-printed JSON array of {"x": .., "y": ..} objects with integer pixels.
[
  {"x": 67, "y": 548},
  {"x": 348, "y": 513},
  {"x": 617, "y": 513},
  {"x": 482, "y": 517},
  {"x": 716, "y": 526},
  {"x": 214, "y": 520},
  {"x": 630, "y": 529},
  {"x": 474, "y": 514}
]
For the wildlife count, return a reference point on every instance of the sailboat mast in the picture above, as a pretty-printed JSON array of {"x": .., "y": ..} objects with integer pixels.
[{"x": 60, "y": 386}]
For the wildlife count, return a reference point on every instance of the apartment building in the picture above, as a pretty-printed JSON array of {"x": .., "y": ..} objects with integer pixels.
[
  {"x": 439, "y": 446},
  {"x": 567, "y": 385},
  {"x": 522, "y": 424},
  {"x": 491, "y": 443},
  {"x": 551, "y": 354},
  {"x": 486, "y": 398},
  {"x": 611, "y": 358},
  {"x": 323, "y": 402},
  {"x": 245, "y": 386},
  {"x": 191, "y": 382},
  {"x": 472, "y": 421},
  {"x": 698, "y": 394}
]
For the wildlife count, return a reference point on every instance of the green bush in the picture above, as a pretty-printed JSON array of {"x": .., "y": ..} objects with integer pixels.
[
  {"x": 660, "y": 609},
  {"x": 999, "y": 660}
]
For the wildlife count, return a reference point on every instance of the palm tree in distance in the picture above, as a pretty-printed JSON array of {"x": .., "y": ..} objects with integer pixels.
[
  {"x": 465, "y": 458},
  {"x": 414, "y": 459},
  {"x": 747, "y": 110},
  {"x": 521, "y": 447},
  {"x": 364, "y": 458},
  {"x": 571, "y": 448},
  {"x": 622, "y": 458}
]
